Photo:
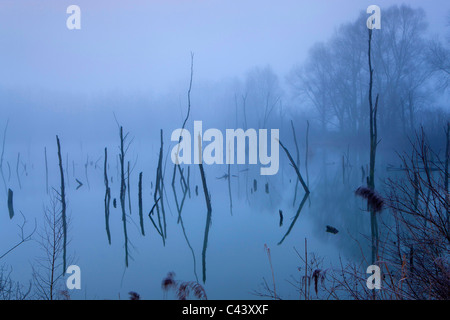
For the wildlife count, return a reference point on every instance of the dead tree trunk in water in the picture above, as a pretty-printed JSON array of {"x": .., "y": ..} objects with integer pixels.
[
  {"x": 123, "y": 188},
  {"x": 17, "y": 170},
  {"x": 184, "y": 185},
  {"x": 141, "y": 217},
  {"x": 300, "y": 178},
  {"x": 63, "y": 204},
  {"x": 297, "y": 163},
  {"x": 1, "y": 156},
  {"x": 373, "y": 149},
  {"x": 46, "y": 170},
  {"x": 107, "y": 196}
]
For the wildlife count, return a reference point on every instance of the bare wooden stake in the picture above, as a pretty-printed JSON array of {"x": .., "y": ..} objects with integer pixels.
[
  {"x": 63, "y": 205},
  {"x": 107, "y": 197}
]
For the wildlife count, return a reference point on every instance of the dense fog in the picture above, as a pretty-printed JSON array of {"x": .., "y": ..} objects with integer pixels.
[{"x": 111, "y": 200}]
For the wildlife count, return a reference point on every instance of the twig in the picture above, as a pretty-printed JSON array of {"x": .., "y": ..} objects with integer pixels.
[{"x": 267, "y": 249}]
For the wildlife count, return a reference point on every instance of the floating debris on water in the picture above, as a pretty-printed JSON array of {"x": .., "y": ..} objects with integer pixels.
[
  {"x": 332, "y": 230},
  {"x": 281, "y": 217},
  {"x": 10, "y": 203}
]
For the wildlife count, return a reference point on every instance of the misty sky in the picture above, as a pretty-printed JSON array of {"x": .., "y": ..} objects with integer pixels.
[{"x": 144, "y": 46}]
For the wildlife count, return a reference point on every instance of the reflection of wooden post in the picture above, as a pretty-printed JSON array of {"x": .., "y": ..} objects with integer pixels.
[
  {"x": 305, "y": 187},
  {"x": 208, "y": 206},
  {"x": 229, "y": 179},
  {"x": 298, "y": 161},
  {"x": 306, "y": 152},
  {"x": 306, "y": 269},
  {"x": 128, "y": 187},
  {"x": 229, "y": 189},
  {"x": 185, "y": 186},
  {"x": 17, "y": 170},
  {"x": 159, "y": 187},
  {"x": 299, "y": 210},
  {"x": 447, "y": 155}
]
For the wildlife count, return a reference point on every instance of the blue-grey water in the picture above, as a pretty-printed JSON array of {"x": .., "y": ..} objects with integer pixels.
[{"x": 236, "y": 261}]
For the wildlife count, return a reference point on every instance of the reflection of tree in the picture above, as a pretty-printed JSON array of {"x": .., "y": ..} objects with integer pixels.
[{"x": 299, "y": 210}]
